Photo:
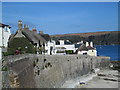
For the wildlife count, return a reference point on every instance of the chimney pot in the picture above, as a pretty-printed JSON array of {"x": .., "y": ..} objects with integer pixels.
[
  {"x": 41, "y": 32},
  {"x": 34, "y": 30},
  {"x": 20, "y": 24}
]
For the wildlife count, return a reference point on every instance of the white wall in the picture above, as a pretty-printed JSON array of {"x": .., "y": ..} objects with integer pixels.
[
  {"x": 62, "y": 42},
  {"x": 1, "y": 43},
  {"x": 81, "y": 52},
  {"x": 4, "y": 36},
  {"x": 48, "y": 45},
  {"x": 92, "y": 52},
  {"x": 53, "y": 44},
  {"x": 68, "y": 47},
  {"x": 1, "y": 36}
]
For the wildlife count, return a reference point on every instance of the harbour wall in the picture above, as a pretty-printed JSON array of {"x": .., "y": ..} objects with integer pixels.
[{"x": 49, "y": 71}]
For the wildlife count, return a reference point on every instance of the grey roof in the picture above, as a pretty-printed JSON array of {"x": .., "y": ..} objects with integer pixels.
[
  {"x": 3, "y": 25},
  {"x": 31, "y": 36},
  {"x": 77, "y": 45},
  {"x": 90, "y": 48},
  {"x": 82, "y": 48}
]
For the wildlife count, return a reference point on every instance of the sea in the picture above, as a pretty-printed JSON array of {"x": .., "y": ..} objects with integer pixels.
[{"x": 111, "y": 51}]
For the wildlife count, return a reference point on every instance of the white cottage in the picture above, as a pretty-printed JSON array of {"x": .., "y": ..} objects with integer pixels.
[
  {"x": 87, "y": 49},
  {"x": 59, "y": 47},
  {"x": 4, "y": 36}
]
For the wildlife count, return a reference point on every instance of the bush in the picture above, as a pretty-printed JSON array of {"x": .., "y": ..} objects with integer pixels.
[
  {"x": 69, "y": 51},
  {"x": 21, "y": 44},
  {"x": 60, "y": 52},
  {"x": 9, "y": 52},
  {"x": 4, "y": 68}
]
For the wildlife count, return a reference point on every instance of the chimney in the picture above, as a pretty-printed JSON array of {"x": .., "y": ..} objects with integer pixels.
[
  {"x": 87, "y": 44},
  {"x": 26, "y": 27},
  {"x": 91, "y": 44},
  {"x": 19, "y": 24},
  {"x": 41, "y": 32},
  {"x": 34, "y": 30}
]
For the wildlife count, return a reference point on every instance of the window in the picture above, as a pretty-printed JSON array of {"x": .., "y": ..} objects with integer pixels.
[
  {"x": 57, "y": 43},
  {"x": 40, "y": 44},
  {"x": 84, "y": 53},
  {"x": 43, "y": 44}
]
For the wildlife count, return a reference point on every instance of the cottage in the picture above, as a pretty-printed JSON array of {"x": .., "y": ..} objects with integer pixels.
[
  {"x": 4, "y": 36},
  {"x": 27, "y": 40},
  {"x": 87, "y": 49},
  {"x": 82, "y": 50}
]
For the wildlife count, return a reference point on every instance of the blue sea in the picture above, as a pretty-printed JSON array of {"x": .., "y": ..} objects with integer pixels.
[{"x": 109, "y": 50}]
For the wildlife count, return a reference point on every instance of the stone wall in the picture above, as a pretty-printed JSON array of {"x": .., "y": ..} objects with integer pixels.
[
  {"x": 20, "y": 71},
  {"x": 51, "y": 71}
]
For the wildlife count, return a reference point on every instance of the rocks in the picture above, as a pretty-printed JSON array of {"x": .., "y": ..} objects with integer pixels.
[{"x": 115, "y": 65}]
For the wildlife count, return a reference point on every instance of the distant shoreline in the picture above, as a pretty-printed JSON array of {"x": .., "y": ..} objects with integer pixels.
[{"x": 98, "y": 38}]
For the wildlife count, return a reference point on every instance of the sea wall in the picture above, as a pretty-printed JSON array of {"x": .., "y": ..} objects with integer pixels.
[{"x": 50, "y": 71}]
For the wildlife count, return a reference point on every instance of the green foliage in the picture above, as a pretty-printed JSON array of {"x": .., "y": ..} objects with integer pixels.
[
  {"x": 9, "y": 52},
  {"x": 72, "y": 38},
  {"x": 21, "y": 44},
  {"x": 60, "y": 52},
  {"x": 4, "y": 68},
  {"x": 106, "y": 39},
  {"x": 69, "y": 51}
]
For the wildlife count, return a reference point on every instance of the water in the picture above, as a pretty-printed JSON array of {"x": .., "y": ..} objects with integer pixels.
[{"x": 109, "y": 50}]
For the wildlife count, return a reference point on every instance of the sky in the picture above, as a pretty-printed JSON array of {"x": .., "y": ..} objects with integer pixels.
[{"x": 62, "y": 17}]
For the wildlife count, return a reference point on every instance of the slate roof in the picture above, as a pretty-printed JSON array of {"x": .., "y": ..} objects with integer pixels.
[
  {"x": 90, "y": 48},
  {"x": 82, "y": 48},
  {"x": 46, "y": 37},
  {"x": 77, "y": 45},
  {"x": 3, "y": 25},
  {"x": 67, "y": 42}
]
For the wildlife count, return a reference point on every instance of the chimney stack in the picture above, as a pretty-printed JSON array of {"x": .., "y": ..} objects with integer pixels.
[
  {"x": 26, "y": 27},
  {"x": 20, "y": 25},
  {"x": 87, "y": 44},
  {"x": 91, "y": 44},
  {"x": 41, "y": 32},
  {"x": 34, "y": 30}
]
